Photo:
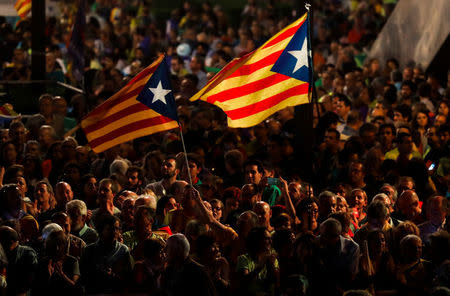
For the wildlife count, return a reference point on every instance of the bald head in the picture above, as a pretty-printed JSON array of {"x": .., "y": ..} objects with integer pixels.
[
  {"x": 262, "y": 209},
  {"x": 146, "y": 200},
  {"x": 295, "y": 190},
  {"x": 246, "y": 221},
  {"x": 177, "y": 189},
  {"x": 408, "y": 204},
  {"x": 63, "y": 193}
]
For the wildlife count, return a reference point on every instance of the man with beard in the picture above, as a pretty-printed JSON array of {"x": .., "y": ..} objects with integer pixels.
[
  {"x": 169, "y": 172},
  {"x": 135, "y": 179}
]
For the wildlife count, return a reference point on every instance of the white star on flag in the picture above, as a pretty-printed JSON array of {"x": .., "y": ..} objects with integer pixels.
[
  {"x": 301, "y": 56},
  {"x": 159, "y": 93}
]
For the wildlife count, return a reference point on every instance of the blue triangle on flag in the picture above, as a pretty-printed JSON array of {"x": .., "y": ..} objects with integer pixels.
[
  {"x": 294, "y": 61},
  {"x": 157, "y": 93}
]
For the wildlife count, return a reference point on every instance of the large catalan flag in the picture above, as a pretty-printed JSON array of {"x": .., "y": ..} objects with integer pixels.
[
  {"x": 23, "y": 7},
  {"x": 144, "y": 106},
  {"x": 272, "y": 77}
]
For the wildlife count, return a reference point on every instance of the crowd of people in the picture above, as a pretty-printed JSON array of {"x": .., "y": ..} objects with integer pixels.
[{"x": 239, "y": 214}]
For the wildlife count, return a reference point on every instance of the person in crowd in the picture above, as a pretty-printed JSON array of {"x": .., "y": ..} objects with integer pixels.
[
  {"x": 134, "y": 239},
  {"x": 89, "y": 191},
  {"x": 208, "y": 254},
  {"x": 195, "y": 167},
  {"x": 377, "y": 219},
  {"x": 148, "y": 271},
  {"x": 45, "y": 201},
  {"x": 123, "y": 195},
  {"x": 377, "y": 267},
  {"x": 259, "y": 266},
  {"x": 8, "y": 153},
  {"x": 78, "y": 212},
  {"x": 106, "y": 191},
  {"x": 12, "y": 206},
  {"x": 234, "y": 169},
  {"x": 387, "y": 202},
  {"x": 327, "y": 162},
  {"x": 57, "y": 273},
  {"x": 327, "y": 205},
  {"x": 437, "y": 208},
  {"x": 357, "y": 202},
  {"x": 63, "y": 194},
  {"x": 217, "y": 209},
  {"x": 336, "y": 260},
  {"x": 47, "y": 136},
  {"x": 307, "y": 212},
  {"x": 169, "y": 173},
  {"x": 106, "y": 265},
  {"x": 18, "y": 136},
  {"x": 391, "y": 193},
  {"x": 414, "y": 273},
  {"x": 22, "y": 262},
  {"x": 75, "y": 245},
  {"x": 408, "y": 207},
  {"x": 262, "y": 209},
  {"x": 135, "y": 177},
  {"x": 182, "y": 274}
]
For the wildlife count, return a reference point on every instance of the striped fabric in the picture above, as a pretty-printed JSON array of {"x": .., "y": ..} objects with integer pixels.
[
  {"x": 122, "y": 118},
  {"x": 23, "y": 7},
  {"x": 247, "y": 89}
]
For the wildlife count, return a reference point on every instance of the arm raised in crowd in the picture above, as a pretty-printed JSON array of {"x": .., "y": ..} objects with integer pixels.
[
  {"x": 227, "y": 234},
  {"x": 287, "y": 198}
]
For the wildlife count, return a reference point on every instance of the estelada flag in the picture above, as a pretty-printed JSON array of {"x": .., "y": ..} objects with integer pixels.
[
  {"x": 144, "y": 106},
  {"x": 272, "y": 77},
  {"x": 23, "y": 7}
]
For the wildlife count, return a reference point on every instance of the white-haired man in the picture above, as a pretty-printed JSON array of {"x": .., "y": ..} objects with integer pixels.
[{"x": 77, "y": 211}]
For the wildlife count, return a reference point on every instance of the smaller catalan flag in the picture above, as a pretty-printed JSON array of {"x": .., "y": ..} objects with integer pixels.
[
  {"x": 144, "y": 106},
  {"x": 272, "y": 77},
  {"x": 23, "y": 7}
]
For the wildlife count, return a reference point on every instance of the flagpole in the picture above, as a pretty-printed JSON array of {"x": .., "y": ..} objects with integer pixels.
[
  {"x": 303, "y": 117},
  {"x": 312, "y": 86},
  {"x": 185, "y": 154}
]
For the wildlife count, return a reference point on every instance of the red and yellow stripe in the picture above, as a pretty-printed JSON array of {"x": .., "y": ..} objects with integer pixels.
[
  {"x": 122, "y": 118},
  {"x": 23, "y": 7},
  {"x": 248, "y": 91}
]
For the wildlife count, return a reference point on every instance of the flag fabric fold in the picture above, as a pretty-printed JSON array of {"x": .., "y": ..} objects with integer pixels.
[
  {"x": 23, "y": 8},
  {"x": 142, "y": 107},
  {"x": 272, "y": 77}
]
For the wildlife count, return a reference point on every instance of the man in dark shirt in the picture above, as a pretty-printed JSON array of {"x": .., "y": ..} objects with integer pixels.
[
  {"x": 184, "y": 276},
  {"x": 22, "y": 262},
  {"x": 106, "y": 264},
  {"x": 336, "y": 260}
]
